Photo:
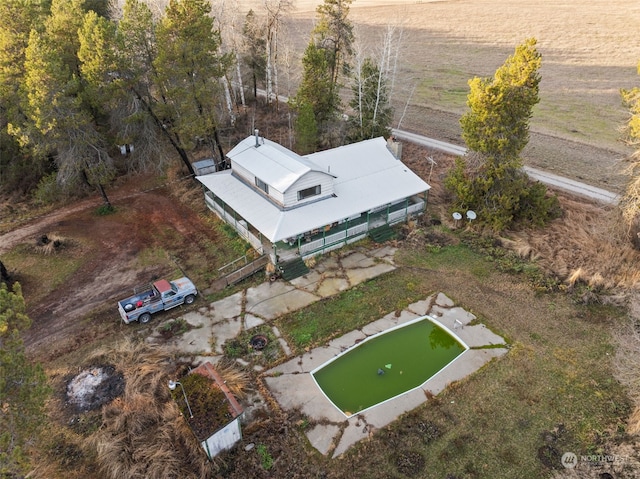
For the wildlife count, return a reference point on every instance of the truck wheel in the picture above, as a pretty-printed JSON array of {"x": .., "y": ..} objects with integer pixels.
[
  {"x": 189, "y": 299},
  {"x": 144, "y": 318}
]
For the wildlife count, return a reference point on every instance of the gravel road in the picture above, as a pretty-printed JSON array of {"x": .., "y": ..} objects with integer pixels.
[{"x": 583, "y": 162}]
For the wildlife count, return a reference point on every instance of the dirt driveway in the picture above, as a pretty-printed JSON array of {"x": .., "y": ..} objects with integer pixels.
[{"x": 108, "y": 249}]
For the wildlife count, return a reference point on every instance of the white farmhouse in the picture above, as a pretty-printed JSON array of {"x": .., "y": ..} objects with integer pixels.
[{"x": 287, "y": 205}]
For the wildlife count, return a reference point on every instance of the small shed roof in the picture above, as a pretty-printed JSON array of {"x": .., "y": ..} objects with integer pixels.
[{"x": 367, "y": 175}]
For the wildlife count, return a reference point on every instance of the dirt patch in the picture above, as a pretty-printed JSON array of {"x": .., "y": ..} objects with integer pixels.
[
  {"x": 94, "y": 387},
  {"x": 111, "y": 250}
]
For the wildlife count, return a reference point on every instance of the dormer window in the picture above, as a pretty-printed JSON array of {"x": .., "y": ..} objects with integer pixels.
[
  {"x": 308, "y": 192},
  {"x": 262, "y": 185}
]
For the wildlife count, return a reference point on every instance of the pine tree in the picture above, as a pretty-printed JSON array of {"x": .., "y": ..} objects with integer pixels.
[
  {"x": 325, "y": 60},
  {"x": 490, "y": 179},
  {"x": 23, "y": 387},
  {"x": 62, "y": 123},
  {"x": 20, "y": 169},
  {"x": 306, "y": 130},
  {"x": 189, "y": 67},
  {"x": 316, "y": 88},
  {"x": 334, "y": 33}
]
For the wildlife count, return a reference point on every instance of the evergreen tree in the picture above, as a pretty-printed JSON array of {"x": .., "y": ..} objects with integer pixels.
[
  {"x": 316, "y": 88},
  {"x": 490, "y": 180},
  {"x": 23, "y": 387},
  {"x": 189, "y": 67},
  {"x": 306, "y": 130},
  {"x": 334, "y": 34},
  {"x": 62, "y": 124},
  {"x": 324, "y": 60},
  {"x": 19, "y": 170},
  {"x": 256, "y": 53},
  {"x": 136, "y": 113},
  {"x": 373, "y": 115}
]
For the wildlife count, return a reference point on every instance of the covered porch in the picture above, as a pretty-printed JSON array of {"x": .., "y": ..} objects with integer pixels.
[{"x": 321, "y": 239}]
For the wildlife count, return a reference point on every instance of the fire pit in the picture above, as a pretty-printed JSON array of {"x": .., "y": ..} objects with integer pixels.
[{"x": 258, "y": 342}]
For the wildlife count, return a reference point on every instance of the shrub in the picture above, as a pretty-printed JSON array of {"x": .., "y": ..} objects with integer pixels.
[
  {"x": 265, "y": 457},
  {"x": 48, "y": 191}
]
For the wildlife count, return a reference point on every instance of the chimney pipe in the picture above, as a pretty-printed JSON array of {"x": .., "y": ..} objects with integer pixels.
[{"x": 257, "y": 137}]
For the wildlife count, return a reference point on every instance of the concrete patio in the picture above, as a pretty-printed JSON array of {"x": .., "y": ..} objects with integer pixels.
[{"x": 291, "y": 383}]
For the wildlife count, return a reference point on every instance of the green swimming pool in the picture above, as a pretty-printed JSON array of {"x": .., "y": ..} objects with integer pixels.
[{"x": 387, "y": 365}]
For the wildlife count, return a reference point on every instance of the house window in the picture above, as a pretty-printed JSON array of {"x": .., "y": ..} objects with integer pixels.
[
  {"x": 308, "y": 192},
  {"x": 262, "y": 185}
]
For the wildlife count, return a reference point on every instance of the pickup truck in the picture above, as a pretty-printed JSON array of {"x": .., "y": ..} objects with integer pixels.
[{"x": 160, "y": 296}]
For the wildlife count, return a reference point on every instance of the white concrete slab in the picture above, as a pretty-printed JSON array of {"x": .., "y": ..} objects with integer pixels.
[
  {"x": 322, "y": 436},
  {"x": 223, "y": 331},
  {"x": 348, "y": 340},
  {"x": 357, "y": 276},
  {"x": 354, "y": 432},
  {"x": 467, "y": 363},
  {"x": 331, "y": 286},
  {"x": 251, "y": 321},
  {"x": 479, "y": 335},
  {"x": 444, "y": 301},
  {"x": 227, "y": 308},
  {"x": 421, "y": 308},
  {"x": 388, "y": 412},
  {"x": 356, "y": 260},
  {"x": 286, "y": 301},
  {"x": 379, "y": 326}
]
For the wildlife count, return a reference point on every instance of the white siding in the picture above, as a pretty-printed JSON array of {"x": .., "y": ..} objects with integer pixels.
[
  {"x": 224, "y": 439},
  {"x": 309, "y": 180},
  {"x": 243, "y": 173},
  {"x": 276, "y": 195},
  {"x": 250, "y": 178}
]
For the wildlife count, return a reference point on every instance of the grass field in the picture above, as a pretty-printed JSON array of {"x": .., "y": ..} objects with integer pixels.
[
  {"x": 553, "y": 392},
  {"x": 589, "y": 52}
]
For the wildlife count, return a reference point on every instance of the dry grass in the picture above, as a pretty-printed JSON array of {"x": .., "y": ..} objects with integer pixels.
[
  {"x": 627, "y": 360},
  {"x": 589, "y": 53},
  {"x": 588, "y": 245},
  {"x": 236, "y": 380},
  {"x": 141, "y": 433},
  {"x": 52, "y": 245}
]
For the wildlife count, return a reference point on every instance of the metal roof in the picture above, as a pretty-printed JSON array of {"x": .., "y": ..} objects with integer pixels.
[
  {"x": 366, "y": 174},
  {"x": 271, "y": 162}
]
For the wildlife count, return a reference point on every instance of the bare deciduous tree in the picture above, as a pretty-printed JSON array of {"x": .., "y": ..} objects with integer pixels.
[{"x": 276, "y": 9}]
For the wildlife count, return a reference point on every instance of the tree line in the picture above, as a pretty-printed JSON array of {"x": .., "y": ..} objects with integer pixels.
[{"x": 83, "y": 82}]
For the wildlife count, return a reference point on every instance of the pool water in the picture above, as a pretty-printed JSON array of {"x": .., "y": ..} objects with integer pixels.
[{"x": 387, "y": 365}]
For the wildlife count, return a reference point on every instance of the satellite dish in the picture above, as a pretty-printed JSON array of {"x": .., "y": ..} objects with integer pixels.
[
  {"x": 471, "y": 215},
  {"x": 457, "y": 216}
]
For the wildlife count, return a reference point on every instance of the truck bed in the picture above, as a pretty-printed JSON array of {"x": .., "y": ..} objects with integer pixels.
[{"x": 132, "y": 302}]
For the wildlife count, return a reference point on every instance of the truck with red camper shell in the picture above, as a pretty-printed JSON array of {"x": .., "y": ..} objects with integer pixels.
[{"x": 160, "y": 296}]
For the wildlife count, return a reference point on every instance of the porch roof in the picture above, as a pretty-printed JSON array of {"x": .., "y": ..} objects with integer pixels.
[{"x": 367, "y": 176}]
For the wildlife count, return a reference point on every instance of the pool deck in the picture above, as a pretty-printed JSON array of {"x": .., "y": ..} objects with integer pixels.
[
  {"x": 290, "y": 383},
  {"x": 293, "y": 387}
]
